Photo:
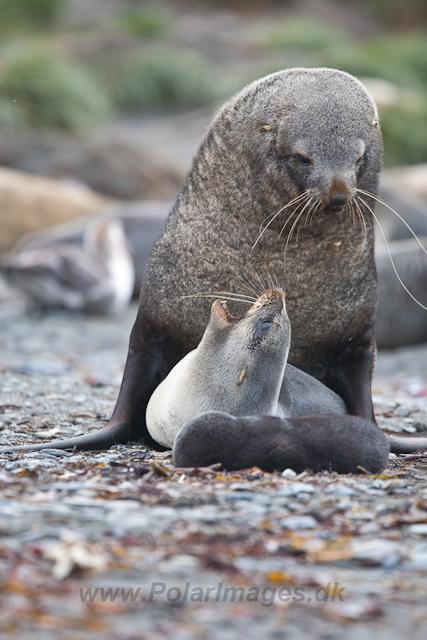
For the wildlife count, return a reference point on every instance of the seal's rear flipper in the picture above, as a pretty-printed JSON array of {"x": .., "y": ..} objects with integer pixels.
[
  {"x": 405, "y": 442},
  {"x": 345, "y": 444}
]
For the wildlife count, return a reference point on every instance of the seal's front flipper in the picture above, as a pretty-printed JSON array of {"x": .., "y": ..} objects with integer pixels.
[
  {"x": 94, "y": 441},
  {"x": 345, "y": 444},
  {"x": 350, "y": 375},
  {"x": 146, "y": 366}
]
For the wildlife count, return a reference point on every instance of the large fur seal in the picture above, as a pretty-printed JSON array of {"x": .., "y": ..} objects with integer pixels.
[
  {"x": 299, "y": 142},
  {"x": 290, "y": 154},
  {"x": 240, "y": 367}
]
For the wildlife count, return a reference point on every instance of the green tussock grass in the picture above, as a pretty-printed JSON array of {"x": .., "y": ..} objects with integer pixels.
[
  {"x": 143, "y": 22},
  {"x": 404, "y": 129},
  {"x": 40, "y": 90},
  {"x": 398, "y": 13},
  {"x": 29, "y": 13},
  {"x": 401, "y": 59},
  {"x": 302, "y": 35},
  {"x": 150, "y": 81}
]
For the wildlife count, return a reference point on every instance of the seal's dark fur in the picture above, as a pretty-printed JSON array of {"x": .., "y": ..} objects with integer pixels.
[{"x": 344, "y": 444}]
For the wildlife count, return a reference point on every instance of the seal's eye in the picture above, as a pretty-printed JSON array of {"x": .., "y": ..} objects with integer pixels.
[
  {"x": 360, "y": 159},
  {"x": 304, "y": 160},
  {"x": 266, "y": 325}
]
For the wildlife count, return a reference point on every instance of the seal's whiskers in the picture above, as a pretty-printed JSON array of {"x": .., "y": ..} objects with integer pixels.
[
  {"x": 299, "y": 197},
  {"x": 260, "y": 279},
  {"x": 294, "y": 224},
  {"x": 223, "y": 294},
  {"x": 256, "y": 279},
  {"x": 274, "y": 284},
  {"x": 361, "y": 217},
  {"x": 389, "y": 252},
  {"x": 381, "y": 201},
  {"x": 307, "y": 216},
  {"x": 245, "y": 282},
  {"x": 293, "y": 201},
  {"x": 316, "y": 209},
  {"x": 312, "y": 211},
  {"x": 355, "y": 214},
  {"x": 362, "y": 220},
  {"x": 296, "y": 211}
]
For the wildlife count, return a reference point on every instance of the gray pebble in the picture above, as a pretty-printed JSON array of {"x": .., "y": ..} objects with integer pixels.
[
  {"x": 409, "y": 428},
  {"x": 403, "y": 411},
  {"x": 418, "y": 561},
  {"x": 10, "y": 466},
  {"x": 296, "y": 488},
  {"x": 421, "y": 417},
  {"x": 252, "y": 509},
  {"x": 299, "y": 522},
  {"x": 420, "y": 427},
  {"x": 240, "y": 486},
  {"x": 43, "y": 463},
  {"x": 378, "y": 552},
  {"x": 179, "y": 563},
  {"x": 340, "y": 491},
  {"x": 40, "y": 367},
  {"x": 249, "y": 496},
  {"x": 57, "y": 452},
  {"x": 380, "y": 484},
  {"x": 394, "y": 424},
  {"x": 38, "y": 455},
  {"x": 419, "y": 529},
  {"x": 289, "y": 474}
]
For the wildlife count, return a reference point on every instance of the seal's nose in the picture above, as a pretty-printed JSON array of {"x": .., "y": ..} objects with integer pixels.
[{"x": 338, "y": 200}]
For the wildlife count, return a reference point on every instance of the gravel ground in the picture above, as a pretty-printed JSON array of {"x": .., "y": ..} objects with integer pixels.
[{"x": 208, "y": 554}]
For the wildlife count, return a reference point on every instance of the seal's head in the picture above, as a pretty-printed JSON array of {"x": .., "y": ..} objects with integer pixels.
[
  {"x": 307, "y": 131},
  {"x": 246, "y": 356},
  {"x": 260, "y": 327}
]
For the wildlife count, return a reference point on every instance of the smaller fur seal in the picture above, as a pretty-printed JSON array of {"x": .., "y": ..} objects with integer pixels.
[
  {"x": 141, "y": 221},
  {"x": 240, "y": 367},
  {"x": 345, "y": 444},
  {"x": 96, "y": 275}
]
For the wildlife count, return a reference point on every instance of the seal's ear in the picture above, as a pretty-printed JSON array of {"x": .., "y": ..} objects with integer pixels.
[{"x": 242, "y": 375}]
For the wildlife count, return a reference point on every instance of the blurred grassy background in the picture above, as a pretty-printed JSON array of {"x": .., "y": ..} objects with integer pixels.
[{"x": 73, "y": 64}]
